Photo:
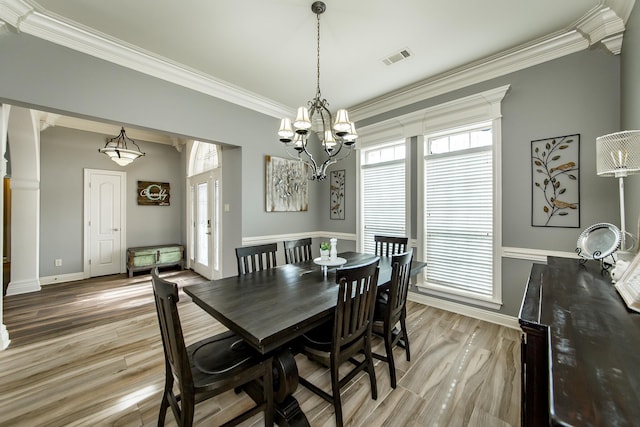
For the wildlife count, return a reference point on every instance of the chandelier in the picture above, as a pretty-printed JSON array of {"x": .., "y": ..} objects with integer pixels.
[
  {"x": 118, "y": 151},
  {"x": 336, "y": 142}
]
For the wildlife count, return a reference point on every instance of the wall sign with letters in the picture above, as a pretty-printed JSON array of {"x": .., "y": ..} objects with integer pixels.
[{"x": 153, "y": 193}]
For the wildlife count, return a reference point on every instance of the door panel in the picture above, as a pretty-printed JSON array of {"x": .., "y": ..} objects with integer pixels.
[{"x": 105, "y": 224}]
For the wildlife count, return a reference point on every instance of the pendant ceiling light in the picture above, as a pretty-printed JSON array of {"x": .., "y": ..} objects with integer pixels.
[
  {"x": 336, "y": 142},
  {"x": 118, "y": 151}
]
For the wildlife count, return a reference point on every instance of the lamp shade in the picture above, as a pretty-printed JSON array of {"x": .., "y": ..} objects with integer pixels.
[{"x": 618, "y": 154}]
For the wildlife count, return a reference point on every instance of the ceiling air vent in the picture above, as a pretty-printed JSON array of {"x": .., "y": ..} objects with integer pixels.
[{"x": 398, "y": 56}]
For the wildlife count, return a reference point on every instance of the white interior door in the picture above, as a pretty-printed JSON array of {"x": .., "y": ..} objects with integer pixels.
[
  {"x": 105, "y": 222},
  {"x": 205, "y": 219}
]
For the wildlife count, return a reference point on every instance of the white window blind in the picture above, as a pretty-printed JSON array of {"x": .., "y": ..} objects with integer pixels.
[
  {"x": 459, "y": 221},
  {"x": 383, "y": 197}
]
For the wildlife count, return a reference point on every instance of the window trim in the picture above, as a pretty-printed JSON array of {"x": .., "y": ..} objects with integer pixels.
[
  {"x": 360, "y": 166},
  {"x": 481, "y": 107}
]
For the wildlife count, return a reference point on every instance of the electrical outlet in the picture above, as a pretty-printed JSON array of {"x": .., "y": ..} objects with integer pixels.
[{"x": 58, "y": 262}]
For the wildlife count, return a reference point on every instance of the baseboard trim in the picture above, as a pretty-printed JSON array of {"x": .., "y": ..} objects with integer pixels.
[
  {"x": 465, "y": 310},
  {"x": 61, "y": 278},
  {"x": 23, "y": 287}
]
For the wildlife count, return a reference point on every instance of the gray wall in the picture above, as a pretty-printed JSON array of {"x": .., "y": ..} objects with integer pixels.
[
  {"x": 45, "y": 76},
  {"x": 578, "y": 93},
  {"x": 575, "y": 94},
  {"x": 65, "y": 153},
  {"x": 630, "y": 114}
]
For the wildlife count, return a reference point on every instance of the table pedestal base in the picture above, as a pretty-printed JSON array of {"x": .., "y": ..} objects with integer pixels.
[{"x": 285, "y": 382}]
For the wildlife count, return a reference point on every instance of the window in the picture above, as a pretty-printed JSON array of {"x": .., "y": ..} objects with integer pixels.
[
  {"x": 205, "y": 157},
  {"x": 458, "y": 177},
  {"x": 383, "y": 194},
  {"x": 459, "y": 244}
]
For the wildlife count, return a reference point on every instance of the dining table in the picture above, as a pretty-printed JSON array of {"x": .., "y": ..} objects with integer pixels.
[{"x": 270, "y": 308}]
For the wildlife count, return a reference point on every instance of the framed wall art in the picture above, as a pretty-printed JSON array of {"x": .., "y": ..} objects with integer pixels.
[
  {"x": 151, "y": 193},
  {"x": 336, "y": 194},
  {"x": 555, "y": 182},
  {"x": 286, "y": 185}
]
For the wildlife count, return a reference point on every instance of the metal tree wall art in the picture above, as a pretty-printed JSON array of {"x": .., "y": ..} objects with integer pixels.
[{"x": 555, "y": 193}]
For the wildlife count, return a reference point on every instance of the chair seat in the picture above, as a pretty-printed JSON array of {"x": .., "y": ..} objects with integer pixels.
[
  {"x": 222, "y": 356},
  {"x": 319, "y": 338},
  {"x": 382, "y": 300}
]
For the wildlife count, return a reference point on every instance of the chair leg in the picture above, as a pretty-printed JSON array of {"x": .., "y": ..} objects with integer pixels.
[
  {"x": 371, "y": 370},
  {"x": 164, "y": 405},
  {"x": 389, "y": 349},
  {"x": 188, "y": 409},
  {"x": 335, "y": 389},
  {"x": 403, "y": 326}
]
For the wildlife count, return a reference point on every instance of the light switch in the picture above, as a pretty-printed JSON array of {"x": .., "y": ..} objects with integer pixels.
[{"x": 227, "y": 208}]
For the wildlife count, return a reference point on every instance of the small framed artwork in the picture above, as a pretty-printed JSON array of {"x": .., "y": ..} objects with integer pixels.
[
  {"x": 555, "y": 182},
  {"x": 336, "y": 194},
  {"x": 151, "y": 193},
  {"x": 286, "y": 185}
]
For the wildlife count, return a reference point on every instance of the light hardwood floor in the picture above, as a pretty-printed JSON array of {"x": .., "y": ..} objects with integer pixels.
[{"x": 89, "y": 353}]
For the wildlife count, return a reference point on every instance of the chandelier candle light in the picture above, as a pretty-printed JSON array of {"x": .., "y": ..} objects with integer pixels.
[
  {"x": 118, "y": 151},
  {"x": 318, "y": 118}
]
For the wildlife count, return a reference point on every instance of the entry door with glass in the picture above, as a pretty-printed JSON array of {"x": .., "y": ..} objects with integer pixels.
[{"x": 205, "y": 220}]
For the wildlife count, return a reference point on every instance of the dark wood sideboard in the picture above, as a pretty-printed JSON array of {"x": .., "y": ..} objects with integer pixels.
[{"x": 580, "y": 348}]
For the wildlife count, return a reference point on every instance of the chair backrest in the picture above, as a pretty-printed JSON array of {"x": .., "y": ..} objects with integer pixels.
[
  {"x": 399, "y": 287},
  {"x": 255, "y": 258},
  {"x": 356, "y": 302},
  {"x": 175, "y": 351},
  {"x": 297, "y": 250},
  {"x": 390, "y": 245}
]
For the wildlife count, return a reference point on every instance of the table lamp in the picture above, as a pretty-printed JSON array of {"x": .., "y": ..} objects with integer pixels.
[{"x": 618, "y": 155}]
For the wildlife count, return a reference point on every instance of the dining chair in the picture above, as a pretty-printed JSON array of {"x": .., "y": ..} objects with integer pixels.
[
  {"x": 348, "y": 334},
  {"x": 297, "y": 250},
  {"x": 206, "y": 368},
  {"x": 256, "y": 258},
  {"x": 391, "y": 309},
  {"x": 390, "y": 245}
]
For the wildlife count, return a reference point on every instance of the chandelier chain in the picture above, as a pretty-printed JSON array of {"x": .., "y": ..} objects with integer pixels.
[{"x": 318, "y": 56}]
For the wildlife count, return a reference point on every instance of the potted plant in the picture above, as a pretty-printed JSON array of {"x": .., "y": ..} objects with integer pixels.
[{"x": 325, "y": 247}]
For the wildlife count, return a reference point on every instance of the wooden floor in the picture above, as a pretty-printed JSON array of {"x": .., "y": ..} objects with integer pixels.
[{"x": 89, "y": 354}]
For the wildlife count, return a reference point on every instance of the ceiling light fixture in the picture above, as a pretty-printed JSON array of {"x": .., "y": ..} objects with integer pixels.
[
  {"x": 618, "y": 155},
  {"x": 318, "y": 118},
  {"x": 117, "y": 150}
]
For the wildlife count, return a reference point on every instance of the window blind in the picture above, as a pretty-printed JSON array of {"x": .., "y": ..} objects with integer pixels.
[
  {"x": 383, "y": 210},
  {"x": 459, "y": 221}
]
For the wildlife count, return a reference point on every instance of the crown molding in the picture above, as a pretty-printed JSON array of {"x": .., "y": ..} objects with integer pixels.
[
  {"x": 604, "y": 24},
  {"x": 27, "y": 18},
  {"x": 473, "y": 108}
]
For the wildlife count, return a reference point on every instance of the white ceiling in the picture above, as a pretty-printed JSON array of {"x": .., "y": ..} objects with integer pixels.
[{"x": 268, "y": 48}]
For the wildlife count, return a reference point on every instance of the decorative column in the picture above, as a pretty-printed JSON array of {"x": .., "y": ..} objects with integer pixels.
[
  {"x": 4, "y": 119},
  {"x": 24, "y": 137}
]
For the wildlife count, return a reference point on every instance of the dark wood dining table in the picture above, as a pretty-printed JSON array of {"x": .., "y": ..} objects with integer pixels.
[{"x": 271, "y": 308}]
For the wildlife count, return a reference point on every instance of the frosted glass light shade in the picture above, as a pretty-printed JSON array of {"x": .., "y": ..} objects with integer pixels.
[{"x": 117, "y": 150}]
